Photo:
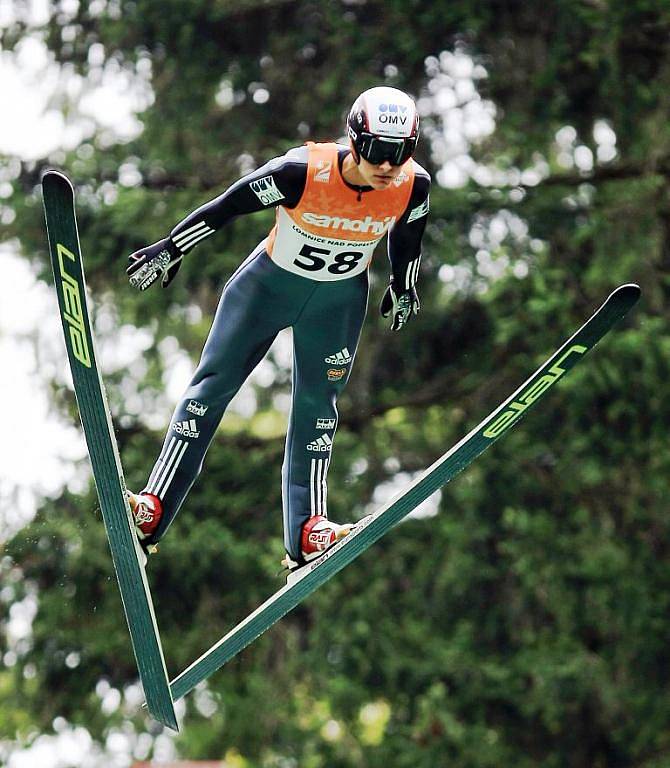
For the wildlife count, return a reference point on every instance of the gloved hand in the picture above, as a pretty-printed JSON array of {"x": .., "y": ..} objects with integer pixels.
[
  {"x": 162, "y": 259},
  {"x": 400, "y": 305}
]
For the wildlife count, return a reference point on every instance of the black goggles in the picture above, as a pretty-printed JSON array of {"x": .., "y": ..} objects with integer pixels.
[{"x": 377, "y": 149}]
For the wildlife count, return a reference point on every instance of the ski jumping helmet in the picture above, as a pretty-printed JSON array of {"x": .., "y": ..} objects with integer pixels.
[{"x": 383, "y": 124}]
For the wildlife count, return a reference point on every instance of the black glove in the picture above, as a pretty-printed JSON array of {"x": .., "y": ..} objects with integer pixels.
[
  {"x": 162, "y": 259},
  {"x": 400, "y": 305}
]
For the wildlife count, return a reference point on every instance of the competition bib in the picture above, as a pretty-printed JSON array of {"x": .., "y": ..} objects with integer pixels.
[{"x": 327, "y": 257}]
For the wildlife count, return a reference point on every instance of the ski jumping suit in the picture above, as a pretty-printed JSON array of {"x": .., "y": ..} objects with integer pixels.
[{"x": 310, "y": 274}]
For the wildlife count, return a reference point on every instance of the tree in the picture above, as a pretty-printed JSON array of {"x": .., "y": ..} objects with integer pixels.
[{"x": 526, "y": 622}]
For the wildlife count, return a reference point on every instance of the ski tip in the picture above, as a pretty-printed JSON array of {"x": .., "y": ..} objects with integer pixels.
[
  {"x": 52, "y": 176},
  {"x": 625, "y": 297},
  {"x": 631, "y": 291}
]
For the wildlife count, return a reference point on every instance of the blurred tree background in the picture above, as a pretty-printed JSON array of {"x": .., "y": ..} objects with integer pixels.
[{"x": 523, "y": 617}]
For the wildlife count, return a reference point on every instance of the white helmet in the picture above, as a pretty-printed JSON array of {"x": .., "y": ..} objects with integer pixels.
[{"x": 383, "y": 124}]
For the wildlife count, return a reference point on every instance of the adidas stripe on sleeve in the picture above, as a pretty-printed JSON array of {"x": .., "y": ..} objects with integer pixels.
[{"x": 187, "y": 238}]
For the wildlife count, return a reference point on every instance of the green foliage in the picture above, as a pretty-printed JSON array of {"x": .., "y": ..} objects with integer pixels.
[{"x": 526, "y": 624}]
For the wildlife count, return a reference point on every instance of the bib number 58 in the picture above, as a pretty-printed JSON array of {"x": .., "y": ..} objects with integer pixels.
[{"x": 311, "y": 259}]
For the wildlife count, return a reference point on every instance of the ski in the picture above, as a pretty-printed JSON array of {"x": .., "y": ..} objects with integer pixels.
[
  {"x": 96, "y": 420},
  {"x": 373, "y": 527}
]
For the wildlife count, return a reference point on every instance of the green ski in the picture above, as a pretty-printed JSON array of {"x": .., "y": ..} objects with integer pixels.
[
  {"x": 96, "y": 420},
  {"x": 370, "y": 529}
]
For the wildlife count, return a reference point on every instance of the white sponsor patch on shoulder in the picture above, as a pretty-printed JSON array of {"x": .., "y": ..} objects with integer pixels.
[
  {"x": 266, "y": 190},
  {"x": 419, "y": 211}
]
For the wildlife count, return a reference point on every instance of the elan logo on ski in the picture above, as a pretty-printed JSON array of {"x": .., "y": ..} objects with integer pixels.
[
  {"x": 72, "y": 310},
  {"x": 536, "y": 390}
]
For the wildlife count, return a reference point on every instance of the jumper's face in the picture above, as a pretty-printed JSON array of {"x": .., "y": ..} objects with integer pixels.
[{"x": 378, "y": 176}]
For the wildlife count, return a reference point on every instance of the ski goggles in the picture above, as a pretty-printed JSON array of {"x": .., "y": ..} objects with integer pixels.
[{"x": 377, "y": 149}]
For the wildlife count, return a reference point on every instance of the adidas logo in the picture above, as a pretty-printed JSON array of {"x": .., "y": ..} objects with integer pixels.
[
  {"x": 323, "y": 443},
  {"x": 197, "y": 408},
  {"x": 186, "y": 428},
  {"x": 341, "y": 358},
  {"x": 325, "y": 423}
]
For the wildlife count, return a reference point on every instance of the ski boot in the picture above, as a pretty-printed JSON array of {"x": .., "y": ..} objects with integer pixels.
[
  {"x": 146, "y": 510},
  {"x": 318, "y": 535}
]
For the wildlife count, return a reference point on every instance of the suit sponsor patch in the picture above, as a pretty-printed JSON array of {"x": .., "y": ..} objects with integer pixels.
[
  {"x": 335, "y": 374},
  {"x": 420, "y": 211},
  {"x": 196, "y": 408},
  {"x": 266, "y": 190},
  {"x": 323, "y": 171}
]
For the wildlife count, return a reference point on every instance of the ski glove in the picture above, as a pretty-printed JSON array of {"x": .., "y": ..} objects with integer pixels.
[
  {"x": 162, "y": 259},
  {"x": 400, "y": 305}
]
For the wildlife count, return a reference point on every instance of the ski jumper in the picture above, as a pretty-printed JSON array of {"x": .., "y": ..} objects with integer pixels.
[{"x": 310, "y": 274}]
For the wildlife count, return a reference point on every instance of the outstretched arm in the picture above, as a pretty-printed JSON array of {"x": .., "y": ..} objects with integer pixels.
[{"x": 281, "y": 181}]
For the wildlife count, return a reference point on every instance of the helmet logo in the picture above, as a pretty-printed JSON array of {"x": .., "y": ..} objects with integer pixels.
[
  {"x": 392, "y": 108},
  {"x": 392, "y": 119},
  {"x": 392, "y": 114}
]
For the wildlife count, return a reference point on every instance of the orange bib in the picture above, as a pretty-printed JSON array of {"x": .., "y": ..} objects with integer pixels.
[{"x": 331, "y": 234}]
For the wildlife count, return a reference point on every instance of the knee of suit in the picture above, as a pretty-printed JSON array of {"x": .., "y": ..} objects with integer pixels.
[
  {"x": 317, "y": 402},
  {"x": 335, "y": 388},
  {"x": 214, "y": 391}
]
